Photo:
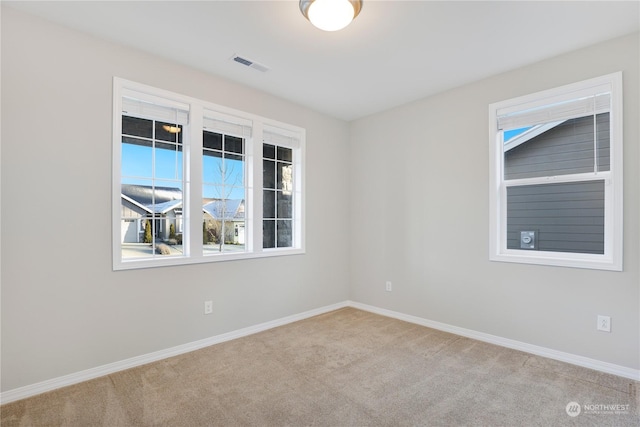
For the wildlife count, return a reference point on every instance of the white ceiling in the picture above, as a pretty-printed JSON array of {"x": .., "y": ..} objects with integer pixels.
[{"x": 394, "y": 52}]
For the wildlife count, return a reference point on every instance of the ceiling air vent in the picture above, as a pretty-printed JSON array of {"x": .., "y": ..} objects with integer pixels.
[{"x": 249, "y": 63}]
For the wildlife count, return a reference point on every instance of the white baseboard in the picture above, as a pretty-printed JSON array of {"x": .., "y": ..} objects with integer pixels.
[
  {"x": 609, "y": 368},
  {"x": 75, "y": 378},
  {"x": 89, "y": 374}
]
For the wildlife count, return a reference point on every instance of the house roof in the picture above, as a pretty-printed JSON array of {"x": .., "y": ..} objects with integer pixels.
[
  {"x": 165, "y": 207},
  {"x": 147, "y": 195},
  {"x": 167, "y": 199},
  {"x": 529, "y": 134},
  {"x": 135, "y": 203},
  {"x": 229, "y": 209}
]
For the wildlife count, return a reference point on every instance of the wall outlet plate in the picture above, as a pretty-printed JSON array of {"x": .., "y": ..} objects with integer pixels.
[
  {"x": 208, "y": 307},
  {"x": 604, "y": 323}
]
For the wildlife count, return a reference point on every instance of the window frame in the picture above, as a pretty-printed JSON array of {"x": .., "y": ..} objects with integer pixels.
[
  {"x": 193, "y": 252},
  {"x": 613, "y": 199}
]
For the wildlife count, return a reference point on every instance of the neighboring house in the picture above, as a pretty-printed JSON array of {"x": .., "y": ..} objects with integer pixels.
[
  {"x": 563, "y": 224},
  {"x": 141, "y": 203},
  {"x": 231, "y": 211}
]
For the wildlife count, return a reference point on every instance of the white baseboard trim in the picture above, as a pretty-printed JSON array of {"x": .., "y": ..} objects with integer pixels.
[
  {"x": 89, "y": 374},
  {"x": 609, "y": 368}
]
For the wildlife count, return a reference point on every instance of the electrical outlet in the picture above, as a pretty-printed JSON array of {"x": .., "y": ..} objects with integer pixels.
[
  {"x": 604, "y": 323},
  {"x": 388, "y": 286},
  {"x": 208, "y": 307}
]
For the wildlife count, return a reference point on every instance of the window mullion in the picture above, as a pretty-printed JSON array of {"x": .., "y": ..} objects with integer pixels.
[
  {"x": 578, "y": 177},
  {"x": 193, "y": 182},
  {"x": 255, "y": 187}
]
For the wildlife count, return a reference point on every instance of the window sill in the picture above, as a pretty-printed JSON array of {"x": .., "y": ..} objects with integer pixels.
[
  {"x": 559, "y": 259},
  {"x": 169, "y": 261}
]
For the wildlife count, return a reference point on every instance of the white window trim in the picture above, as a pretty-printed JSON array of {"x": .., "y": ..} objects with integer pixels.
[
  {"x": 192, "y": 206},
  {"x": 613, "y": 256}
]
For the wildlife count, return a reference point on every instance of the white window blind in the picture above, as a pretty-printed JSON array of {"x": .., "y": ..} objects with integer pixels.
[
  {"x": 587, "y": 106},
  {"x": 282, "y": 137},
  {"x": 178, "y": 114},
  {"x": 227, "y": 124}
]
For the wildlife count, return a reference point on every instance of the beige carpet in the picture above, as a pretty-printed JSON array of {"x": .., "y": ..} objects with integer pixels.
[{"x": 345, "y": 368}]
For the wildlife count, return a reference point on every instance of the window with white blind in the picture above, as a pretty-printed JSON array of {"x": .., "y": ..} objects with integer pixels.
[
  {"x": 191, "y": 183},
  {"x": 281, "y": 196},
  {"x": 556, "y": 176}
]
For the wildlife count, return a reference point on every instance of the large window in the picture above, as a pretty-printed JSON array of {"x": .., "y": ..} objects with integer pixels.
[
  {"x": 197, "y": 182},
  {"x": 556, "y": 176},
  {"x": 280, "y": 192}
]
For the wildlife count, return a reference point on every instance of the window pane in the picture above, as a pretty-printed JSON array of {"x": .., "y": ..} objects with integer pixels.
[
  {"x": 278, "y": 204},
  {"x": 168, "y": 161},
  {"x": 269, "y": 204},
  {"x": 212, "y": 167},
  {"x": 223, "y": 168},
  {"x": 132, "y": 227},
  {"x": 168, "y": 132},
  {"x": 208, "y": 193},
  {"x": 285, "y": 154},
  {"x": 136, "y": 158},
  {"x": 152, "y": 199},
  {"x": 151, "y": 212},
  {"x": 212, "y": 140},
  {"x": 268, "y": 234},
  {"x": 268, "y": 151},
  {"x": 223, "y": 225},
  {"x": 268, "y": 174},
  {"x": 559, "y": 148},
  {"x": 233, "y": 173},
  {"x": 602, "y": 142},
  {"x": 225, "y": 172},
  {"x": 223, "y": 193},
  {"x": 285, "y": 205},
  {"x": 566, "y": 217},
  {"x": 284, "y": 176},
  {"x": 284, "y": 233},
  {"x": 137, "y": 127},
  {"x": 233, "y": 144}
]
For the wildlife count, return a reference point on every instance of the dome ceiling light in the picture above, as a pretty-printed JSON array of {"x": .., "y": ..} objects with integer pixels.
[{"x": 330, "y": 15}]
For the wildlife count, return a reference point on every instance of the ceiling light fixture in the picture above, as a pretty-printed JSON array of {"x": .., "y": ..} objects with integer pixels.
[{"x": 330, "y": 15}]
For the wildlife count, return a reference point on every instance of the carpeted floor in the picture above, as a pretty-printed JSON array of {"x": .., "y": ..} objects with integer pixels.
[{"x": 345, "y": 368}]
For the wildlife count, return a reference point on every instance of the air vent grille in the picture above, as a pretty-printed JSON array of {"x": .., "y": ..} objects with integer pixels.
[
  {"x": 250, "y": 63},
  {"x": 242, "y": 61}
]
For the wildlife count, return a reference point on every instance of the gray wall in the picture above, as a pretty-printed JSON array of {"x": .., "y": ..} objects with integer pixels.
[
  {"x": 420, "y": 218},
  {"x": 63, "y": 309}
]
